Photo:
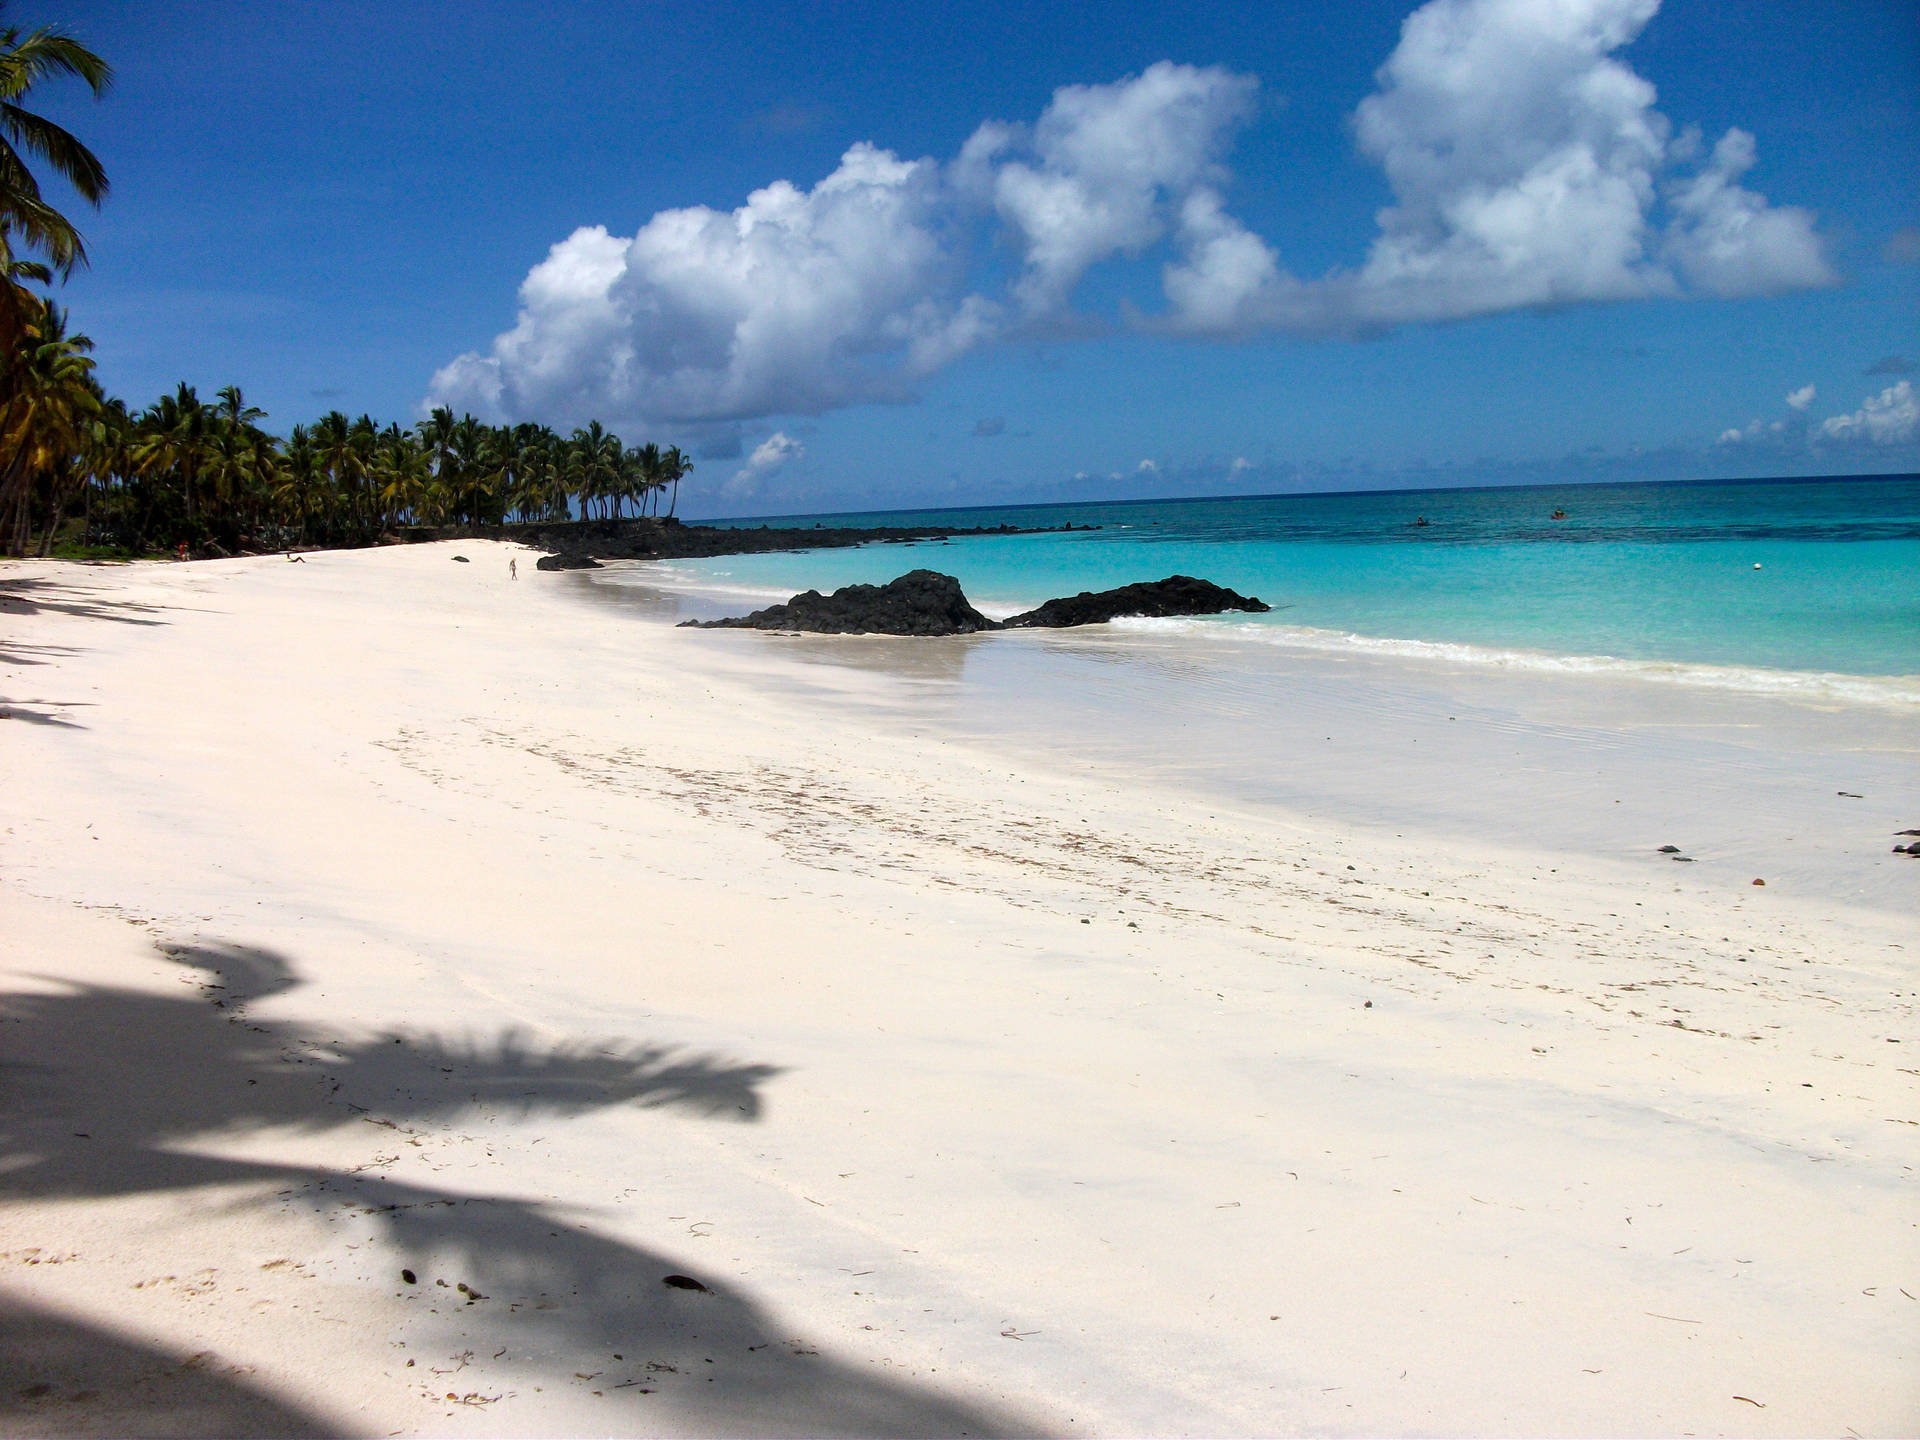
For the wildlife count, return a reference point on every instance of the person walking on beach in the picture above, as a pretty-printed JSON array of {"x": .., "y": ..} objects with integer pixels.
[{"x": 513, "y": 567}]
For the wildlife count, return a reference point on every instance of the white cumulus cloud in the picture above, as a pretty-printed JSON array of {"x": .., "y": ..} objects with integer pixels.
[
  {"x": 1889, "y": 418},
  {"x": 769, "y": 455},
  {"x": 796, "y": 302},
  {"x": 776, "y": 449},
  {"x": 1756, "y": 431},
  {"x": 1528, "y": 168},
  {"x": 1800, "y": 399},
  {"x": 1727, "y": 240},
  {"x": 1527, "y": 164},
  {"x": 1104, "y": 170}
]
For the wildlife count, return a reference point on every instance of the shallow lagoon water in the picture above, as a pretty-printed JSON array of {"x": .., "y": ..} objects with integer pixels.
[
  {"x": 1808, "y": 577},
  {"x": 1597, "y": 686}
]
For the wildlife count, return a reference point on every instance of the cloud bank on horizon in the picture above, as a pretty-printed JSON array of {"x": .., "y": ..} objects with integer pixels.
[
  {"x": 1889, "y": 418},
  {"x": 1528, "y": 168}
]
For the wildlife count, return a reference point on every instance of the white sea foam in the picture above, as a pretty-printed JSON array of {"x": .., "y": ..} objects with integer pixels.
[
  {"x": 1898, "y": 693},
  {"x": 662, "y": 575},
  {"x": 665, "y": 576},
  {"x": 1890, "y": 693}
]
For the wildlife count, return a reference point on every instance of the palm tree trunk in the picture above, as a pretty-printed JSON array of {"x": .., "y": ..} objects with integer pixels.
[
  {"x": 15, "y": 487},
  {"x": 53, "y": 526}
]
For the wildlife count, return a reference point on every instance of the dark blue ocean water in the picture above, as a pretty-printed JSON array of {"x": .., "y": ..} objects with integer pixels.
[{"x": 1800, "y": 576}]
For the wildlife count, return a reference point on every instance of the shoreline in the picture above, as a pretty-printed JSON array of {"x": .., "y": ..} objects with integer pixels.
[
  {"x": 1788, "y": 784},
  {"x": 1893, "y": 691},
  {"x": 1419, "y": 1105}
]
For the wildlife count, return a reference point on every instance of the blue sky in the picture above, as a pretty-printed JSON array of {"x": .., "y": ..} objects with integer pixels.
[{"x": 1034, "y": 251}]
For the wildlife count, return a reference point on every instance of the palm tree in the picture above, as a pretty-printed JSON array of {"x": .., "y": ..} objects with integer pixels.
[
  {"x": 240, "y": 462},
  {"x": 530, "y": 469},
  {"x": 51, "y": 396},
  {"x": 174, "y": 440},
  {"x": 676, "y": 465},
  {"x": 643, "y": 464},
  {"x": 335, "y": 461},
  {"x": 234, "y": 410},
  {"x": 26, "y": 60},
  {"x": 300, "y": 493},
  {"x": 106, "y": 457},
  {"x": 477, "y": 466},
  {"x": 436, "y": 434},
  {"x": 19, "y": 306},
  {"x": 401, "y": 474}
]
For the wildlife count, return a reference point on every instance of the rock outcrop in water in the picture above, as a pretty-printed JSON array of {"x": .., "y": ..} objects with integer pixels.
[
  {"x": 566, "y": 560},
  {"x": 1175, "y": 595},
  {"x": 921, "y": 602},
  {"x": 924, "y": 602}
]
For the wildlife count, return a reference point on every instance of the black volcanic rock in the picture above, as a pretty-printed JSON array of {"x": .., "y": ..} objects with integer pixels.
[
  {"x": 921, "y": 602},
  {"x": 665, "y": 538},
  {"x": 1175, "y": 595},
  {"x": 566, "y": 560}
]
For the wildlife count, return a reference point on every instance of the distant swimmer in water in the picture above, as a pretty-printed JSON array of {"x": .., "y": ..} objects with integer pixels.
[
  {"x": 1421, "y": 521},
  {"x": 1559, "y": 514}
]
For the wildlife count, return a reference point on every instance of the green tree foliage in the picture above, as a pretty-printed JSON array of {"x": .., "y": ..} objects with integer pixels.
[
  {"x": 206, "y": 475},
  {"x": 26, "y": 60}
]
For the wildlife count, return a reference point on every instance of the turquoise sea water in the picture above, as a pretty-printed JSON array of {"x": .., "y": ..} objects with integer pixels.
[{"x": 1803, "y": 576}]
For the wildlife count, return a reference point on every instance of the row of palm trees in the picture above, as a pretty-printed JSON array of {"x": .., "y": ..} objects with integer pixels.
[{"x": 78, "y": 468}]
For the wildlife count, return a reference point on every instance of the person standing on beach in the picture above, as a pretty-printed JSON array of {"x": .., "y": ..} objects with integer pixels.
[{"x": 513, "y": 567}]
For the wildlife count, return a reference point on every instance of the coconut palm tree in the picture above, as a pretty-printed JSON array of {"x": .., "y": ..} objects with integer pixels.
[
  {"x": 19, "y": 306},
  {"x": 643, "y": 463},
  {"x": 299, "y": 492},
  {"x": 339, "y": 462},
  {"x": 401, "y": 474},
  {"x": 676, "y": 465},
  {"x": 174, "y": 442},
  {"x": 436, "y": 434},
  {"x": 233, "y": 409},
  {"x": 105, "y": 459},
  {"x": 50, "y": 397},
  {"x": 479, "y": 469},
  {"x": 599, "y": 467},
  {"x": 27, "y": 60}
]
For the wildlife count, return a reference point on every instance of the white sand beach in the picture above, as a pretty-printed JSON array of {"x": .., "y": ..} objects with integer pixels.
[{"x": 380, "y": 913}]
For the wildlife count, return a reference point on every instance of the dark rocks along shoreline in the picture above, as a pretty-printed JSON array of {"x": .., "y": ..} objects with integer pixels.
[
  {"x": 921, "y": 602},
  {"x": 925, "y": 602},
  {"x": 584, "y": 544}
]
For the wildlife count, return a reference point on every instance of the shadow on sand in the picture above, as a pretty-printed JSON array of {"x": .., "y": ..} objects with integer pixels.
[
  {"x": 104, "y": 1090},
  {"x": 40, "y": 595},
  {"x": 60, "y": 1376},
  {"x": 37, "y": 595},
  {"x": 39, "y": 712}
]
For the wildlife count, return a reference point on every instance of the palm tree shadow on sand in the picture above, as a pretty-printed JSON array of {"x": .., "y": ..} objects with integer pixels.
[
  {"x": 104, "y": 1090},
  {"x": 38, "y": 594},
  {"x": 61, "y": 1376}
]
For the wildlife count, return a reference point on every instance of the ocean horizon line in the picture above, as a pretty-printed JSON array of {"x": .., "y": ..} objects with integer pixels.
[{"x": 1516, "y": 487}]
